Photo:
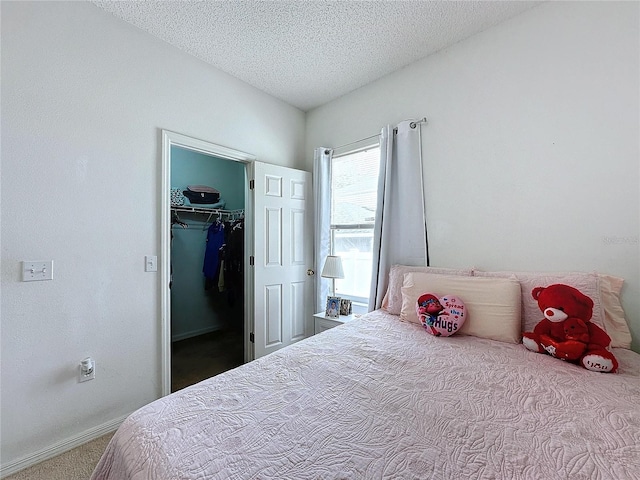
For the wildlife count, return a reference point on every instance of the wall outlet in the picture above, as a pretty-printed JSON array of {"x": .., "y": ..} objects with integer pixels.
[{"x": 87, "y": 370}]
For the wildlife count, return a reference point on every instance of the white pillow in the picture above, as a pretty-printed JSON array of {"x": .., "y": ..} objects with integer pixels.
[
  {"x": 493, "y": 304},
  {"x": 392, "y": 301}
]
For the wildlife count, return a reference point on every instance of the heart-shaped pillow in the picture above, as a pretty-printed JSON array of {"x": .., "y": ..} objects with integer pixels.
[{"x": 442, "y": 316}]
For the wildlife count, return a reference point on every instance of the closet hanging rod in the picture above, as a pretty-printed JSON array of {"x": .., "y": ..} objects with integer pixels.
[
  {"x": 223, "y": 213},
  {"x": 193, "y": 209},
  {"x": 233, "y": 214}
]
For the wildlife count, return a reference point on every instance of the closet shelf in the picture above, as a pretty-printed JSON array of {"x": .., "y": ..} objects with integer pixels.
[
  {"x": 233, "y": 214},
  {"x": 205, "y": 210}
]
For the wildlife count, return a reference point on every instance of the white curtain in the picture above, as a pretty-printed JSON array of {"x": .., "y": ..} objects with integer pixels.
[
  {"x": 400, "y": 232},
  {"x": 322, "y": 218}
]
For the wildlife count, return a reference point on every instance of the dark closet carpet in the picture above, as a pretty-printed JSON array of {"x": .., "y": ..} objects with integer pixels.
[{"x": 197, "y": 358}]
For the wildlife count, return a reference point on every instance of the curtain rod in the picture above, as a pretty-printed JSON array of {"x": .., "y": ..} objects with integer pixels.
[
  {"x": 413, "y": 124},
  {"x": 352, "y": 143},
  {"x": 418, "y": 122}
]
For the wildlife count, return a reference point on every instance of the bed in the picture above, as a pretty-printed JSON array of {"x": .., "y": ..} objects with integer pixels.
[{"x": 380, "y": 398}]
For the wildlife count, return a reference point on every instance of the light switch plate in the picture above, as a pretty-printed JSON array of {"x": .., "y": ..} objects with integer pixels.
[
  {"x": 150, "y": 263},
  {"x": 35, "y": 271}
]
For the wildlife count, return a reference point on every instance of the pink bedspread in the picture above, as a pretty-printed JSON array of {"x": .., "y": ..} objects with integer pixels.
[{"x": 378, "y": 398}]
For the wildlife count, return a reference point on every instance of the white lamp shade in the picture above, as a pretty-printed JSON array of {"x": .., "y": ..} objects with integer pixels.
[{"x": 332, "y": 267}]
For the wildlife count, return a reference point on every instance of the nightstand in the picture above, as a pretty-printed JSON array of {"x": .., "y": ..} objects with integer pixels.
[{"x": 322, "y": 323}]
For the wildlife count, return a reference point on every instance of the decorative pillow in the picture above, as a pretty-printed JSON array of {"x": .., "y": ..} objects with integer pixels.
[
  {"x": 177, "y": 197},
  {"x": 440, "y": 316},
  {"x": 614, "y": 320},
  {"x": 492, "y": 304},
  {"x": 587, "y": 283},
  {"x": 392, "y": 301}
]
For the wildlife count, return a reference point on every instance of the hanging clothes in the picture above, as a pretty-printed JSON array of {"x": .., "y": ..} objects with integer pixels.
[
  {"x": 221, "y": 274},
  {"x": 234, "y": 261},
  {"x": 215, "y": 240},
  {"x": 175, "y": 220}
]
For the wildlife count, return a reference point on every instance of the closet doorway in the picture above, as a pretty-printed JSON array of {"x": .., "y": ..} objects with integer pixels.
[{"x": 208, "y": 202}]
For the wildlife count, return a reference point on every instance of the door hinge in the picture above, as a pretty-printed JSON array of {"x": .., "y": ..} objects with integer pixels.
[
  {"x": 252, "y": 337},
  {"x": 252, "y": 260},
  {"x": 252, "y": 184}
]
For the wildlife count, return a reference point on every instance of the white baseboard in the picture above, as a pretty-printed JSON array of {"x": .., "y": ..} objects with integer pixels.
[
  {"x": 193, "y": 333},
  {"x": 60, "y": 447}
]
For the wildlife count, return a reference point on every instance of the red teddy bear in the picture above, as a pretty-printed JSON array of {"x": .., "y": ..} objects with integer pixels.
[{"x": 566, "y": 331}]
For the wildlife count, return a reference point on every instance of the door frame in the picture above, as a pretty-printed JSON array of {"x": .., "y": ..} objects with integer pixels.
[{"x": 170, "y": 139}]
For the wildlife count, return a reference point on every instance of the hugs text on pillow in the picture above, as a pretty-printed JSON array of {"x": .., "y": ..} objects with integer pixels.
[{"x": 440, "y": 316}]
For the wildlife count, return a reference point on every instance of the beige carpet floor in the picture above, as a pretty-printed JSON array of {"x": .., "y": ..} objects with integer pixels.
[
  {"x": 192, "y": 360},
  {"x": 76, "y": 464}
]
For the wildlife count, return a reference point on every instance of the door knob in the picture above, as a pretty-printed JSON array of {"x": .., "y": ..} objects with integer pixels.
[{"x": 310, "y": 272}]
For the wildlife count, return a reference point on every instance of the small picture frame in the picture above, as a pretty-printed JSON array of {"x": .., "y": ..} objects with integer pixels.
[
  {"x": 333, "y": 307},
  {"x": 345, "y": 307}
]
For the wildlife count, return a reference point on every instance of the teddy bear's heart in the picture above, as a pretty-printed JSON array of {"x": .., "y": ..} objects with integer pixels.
[
  {"x": 567, "y": 350},
  {"x": 442, "y": 316}
]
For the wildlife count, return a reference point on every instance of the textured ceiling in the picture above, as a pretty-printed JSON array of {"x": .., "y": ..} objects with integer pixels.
[{"x": 309, "y": 52}]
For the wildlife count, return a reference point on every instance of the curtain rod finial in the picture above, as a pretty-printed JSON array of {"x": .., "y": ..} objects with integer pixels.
[{"x": 415, "y": 124}]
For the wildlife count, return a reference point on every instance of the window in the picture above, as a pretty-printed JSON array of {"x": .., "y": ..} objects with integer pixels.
[{"x": 354, "y": 194}]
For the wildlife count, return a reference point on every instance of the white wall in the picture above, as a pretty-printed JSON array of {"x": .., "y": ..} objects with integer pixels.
[
  {"x": 532, "y": 149},
  {"x": 84, "y": 99}
]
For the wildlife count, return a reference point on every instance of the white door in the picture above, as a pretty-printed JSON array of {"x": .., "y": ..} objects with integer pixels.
[{"x": 282, "y": 255}]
